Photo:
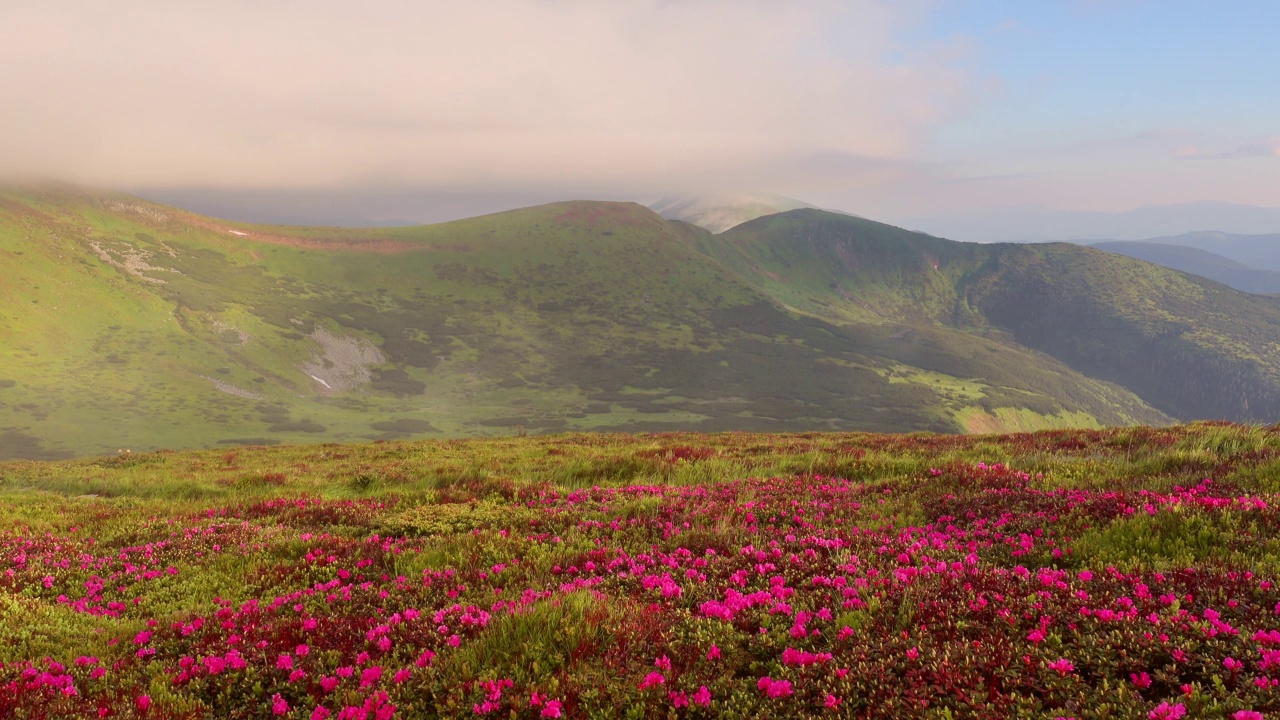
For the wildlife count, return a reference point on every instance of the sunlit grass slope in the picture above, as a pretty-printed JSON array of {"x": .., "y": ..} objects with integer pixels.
[{"x": 125, "y": 324}]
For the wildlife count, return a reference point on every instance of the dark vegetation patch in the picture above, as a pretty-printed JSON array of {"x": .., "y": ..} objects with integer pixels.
[
  {"x": 396, "y": 382},
  {"x": 410, "y": 426},
  {"x": 21, "y": 446}
]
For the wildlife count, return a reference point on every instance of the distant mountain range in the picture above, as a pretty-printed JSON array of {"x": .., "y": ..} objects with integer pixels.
[
  {"x": 129, "y": 324},
  {"x": 1042, "y": 224},
  {"x": 1264, "y": 250}
]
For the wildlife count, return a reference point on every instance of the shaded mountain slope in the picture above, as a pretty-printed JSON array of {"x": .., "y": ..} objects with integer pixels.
[
  {"x": 1188, "y": 346},
  {"x": 129, "y": 324}
]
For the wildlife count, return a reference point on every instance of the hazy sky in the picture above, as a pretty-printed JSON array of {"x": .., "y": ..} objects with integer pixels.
[{"x": 883, "y": 108}]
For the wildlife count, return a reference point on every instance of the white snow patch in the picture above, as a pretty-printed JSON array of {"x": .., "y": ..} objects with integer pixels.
[
  {"x": 313, "y": 377},
  {"x": 237, "y": 232}
]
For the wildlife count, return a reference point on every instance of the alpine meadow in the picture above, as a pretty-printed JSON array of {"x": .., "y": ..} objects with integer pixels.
[{"x": 639, "y": 360}]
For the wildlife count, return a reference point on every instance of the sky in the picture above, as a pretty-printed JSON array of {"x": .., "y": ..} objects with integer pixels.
[{"x": 319, "y": 110}]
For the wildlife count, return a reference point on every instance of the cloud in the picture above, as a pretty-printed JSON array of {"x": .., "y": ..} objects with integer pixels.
[
  {"x": 1256, "y": 148},
  {"x": 489, "y": 93}
]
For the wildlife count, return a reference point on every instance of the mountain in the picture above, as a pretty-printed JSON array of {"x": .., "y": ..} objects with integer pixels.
[
  {"x": 718, "y": 213},
  {"x": 128, "y": 324},
  {"x": 1259, "y": 252},
  {"x": 1188, "y": 346},
  {"x": 1199, "y": 262},
  {"x": 1033, "y": 223}
]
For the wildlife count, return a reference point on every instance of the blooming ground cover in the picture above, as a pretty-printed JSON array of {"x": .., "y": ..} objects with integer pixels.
[{"x": 1092, "y": 574}]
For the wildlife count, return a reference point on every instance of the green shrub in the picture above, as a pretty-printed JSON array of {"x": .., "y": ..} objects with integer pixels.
[{"x": 435, "y": 519}]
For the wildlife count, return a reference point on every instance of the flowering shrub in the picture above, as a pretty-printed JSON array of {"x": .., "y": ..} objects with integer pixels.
[{"x": 967, "y": 589}]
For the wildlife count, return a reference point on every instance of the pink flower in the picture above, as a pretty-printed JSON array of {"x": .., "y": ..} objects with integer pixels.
[
  {"x": 320, "y": 713},
  {"x": 370, "y": 676},
  {"x": 1165, "y": 711},
  {"x": 652, "y": 679},
  {"x": 913, "y": 653},
  {"x": 1247, "y": 715},
  {"x": 774, "y": 688},
  {"x": 1062, "y": 666},
  {"x": 552, "y": 710},
  {"x": 284, "y": 662},
  {"x": 279, "y": 705},
  {"x": 713, "y": 653},
  {"x": 1140, "y": 680},
  {"x": 425, "y": 658},
  {"x": 832, "y": 702},
  {"x": 663, "y": 663},
  {"x": 1036, "y": 636},
  {"x": 402, "y": 675},
  {"x": 702, "y": 698},
  {"x": 143, "y": 702},
  {"x": 302, "y": 650},
  {"x": 1232, "y": 664}
]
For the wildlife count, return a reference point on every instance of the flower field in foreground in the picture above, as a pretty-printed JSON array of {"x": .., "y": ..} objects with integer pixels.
[{"x": 1085, "y": 574}]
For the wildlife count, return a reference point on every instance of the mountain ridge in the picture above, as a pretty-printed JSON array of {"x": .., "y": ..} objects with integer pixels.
[{"x": 128, "y": 323}]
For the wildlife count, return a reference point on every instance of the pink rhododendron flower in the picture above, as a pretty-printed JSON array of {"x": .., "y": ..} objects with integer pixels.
[
  {"x": 143, "y": 702},
  {"x": 279, "y": 705},
  {"x": 774, "y": 688},
  {"x": 652, "y": 679},
  {"x": 1165, "y": 711},
  {"x": 1062, "y": 666},
  {"x": 370, "y": 676},
  {"x": 702, "y": 698},
  {"x": 1247, "y": 715},
  {"x": 552, "y": 710}
]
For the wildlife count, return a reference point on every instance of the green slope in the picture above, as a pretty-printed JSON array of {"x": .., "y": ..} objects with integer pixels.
[
  {"x": 1186, "y": 345},
  {"x": 125, "y": 324}
]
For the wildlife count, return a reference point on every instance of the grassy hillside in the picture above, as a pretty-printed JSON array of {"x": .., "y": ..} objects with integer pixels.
[
  {"x": 1188, "y": 346},
  {"x": 1199, "y": 262},
  {"x": 125, "y": 324}
]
